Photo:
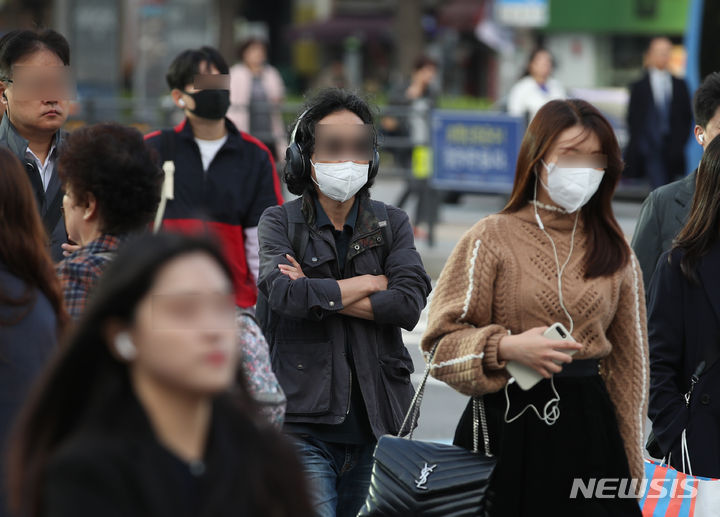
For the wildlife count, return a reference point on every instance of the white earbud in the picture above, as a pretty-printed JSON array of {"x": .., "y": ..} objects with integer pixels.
[
  {"x": 181, "y": 103},
  {"x": 702, "y": 138},
  {"x": 537, "y": 218},
  {"x": 125, "y": 347}
]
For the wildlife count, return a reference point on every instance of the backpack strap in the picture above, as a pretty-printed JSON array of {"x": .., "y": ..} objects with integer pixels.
[
  {"x": 298, "y": 231},
  {"x": 299, "y": 236}
]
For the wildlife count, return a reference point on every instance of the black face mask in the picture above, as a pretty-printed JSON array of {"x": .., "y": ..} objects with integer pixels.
[{"x": 210, "y": 104}]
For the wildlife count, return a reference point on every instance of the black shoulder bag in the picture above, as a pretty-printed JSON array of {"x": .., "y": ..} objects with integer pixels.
[{"x": 415, "y": 478}]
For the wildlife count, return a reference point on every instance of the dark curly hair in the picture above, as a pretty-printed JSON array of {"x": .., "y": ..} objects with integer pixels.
[
  {"x": 324, "y": 103},
  {"x": 113, "y": 163}
]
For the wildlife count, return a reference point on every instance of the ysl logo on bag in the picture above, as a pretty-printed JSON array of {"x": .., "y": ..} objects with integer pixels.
[{"x": 424, "y": 473}]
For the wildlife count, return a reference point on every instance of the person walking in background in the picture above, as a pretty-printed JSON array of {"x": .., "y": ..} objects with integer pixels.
[
  {"x": 535, "y": 88},
  {"x": 659, "y": 119},
  {"x": 340, "y": 276},
  {"x": 664, "y": 212},
  {"x": 684, "y": 330},
  {"x": 142, "y": 413},
  {"x": 32, "y": 317},
  {"x": 223, "y": 178},
  {"x": 555, "y": 254},
  {"x": 112, "y": 189},
  {"x": 418, "y": 97},
  {"x": 256, "y": 95},
  {"x": 34, "y": 90}
]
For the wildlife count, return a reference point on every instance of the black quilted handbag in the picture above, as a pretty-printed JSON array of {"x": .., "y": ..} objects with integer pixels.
[{"x": 415, "y": 478}]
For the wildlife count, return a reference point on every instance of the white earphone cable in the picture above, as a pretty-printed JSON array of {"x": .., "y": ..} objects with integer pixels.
[
  {"x": 551, "y": 410},
  {"x": 560, "y": 269}
]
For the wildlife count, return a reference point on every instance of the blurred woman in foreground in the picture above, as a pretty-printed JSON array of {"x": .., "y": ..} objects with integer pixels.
[{"x": 141, "y": 414}]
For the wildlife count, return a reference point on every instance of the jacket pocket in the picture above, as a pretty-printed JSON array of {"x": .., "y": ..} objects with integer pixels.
[
  {"x": 395, "y": 374},
  {"x": 304, "y": 371},
  {"x": 396, "y": 369},
  {"x": 318, "y": 260},
  {"x": 368, "y": 262}
]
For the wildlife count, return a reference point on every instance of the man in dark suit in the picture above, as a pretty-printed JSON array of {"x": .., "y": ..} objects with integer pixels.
[
  {"x": 659, "y": 119},
  {"x": 35, "y": 90},
  {"x": 665, "y": 210}
]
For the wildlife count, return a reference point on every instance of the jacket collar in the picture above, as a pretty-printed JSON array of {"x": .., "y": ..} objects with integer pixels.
[
  {"x": 106, "y": 242},
  {"x": 12, "y": 139},
  {"x": 17, "y": 143},
  {"x": 234, "y": 137},
  {"x": 367, "y": 221},
  {"x": 367, "y": 226},
  {"x": 684, "y": 195},
  {"x": 324, "y": 220}
]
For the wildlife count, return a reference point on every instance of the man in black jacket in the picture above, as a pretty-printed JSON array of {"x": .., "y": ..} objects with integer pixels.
[
  {"x": 35, "y": 89},
  {"x": 659, "y": 119},
  {"x": 665, "y": 211},
  {"x": 341, "y": 276}
]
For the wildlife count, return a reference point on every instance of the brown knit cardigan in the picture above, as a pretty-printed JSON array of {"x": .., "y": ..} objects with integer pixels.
[{"x": 502, "y": 277}]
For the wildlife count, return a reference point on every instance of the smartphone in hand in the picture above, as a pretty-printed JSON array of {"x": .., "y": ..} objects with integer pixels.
[{"x": 527, "y": 377}]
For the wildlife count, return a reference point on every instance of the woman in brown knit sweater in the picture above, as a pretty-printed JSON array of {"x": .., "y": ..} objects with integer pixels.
[{"x": 554, "y": 254}]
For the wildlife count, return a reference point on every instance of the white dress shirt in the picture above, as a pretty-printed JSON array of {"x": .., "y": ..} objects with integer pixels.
[
  {"x": 46, "y": 169},
  {"x": 661, "y": 86}
]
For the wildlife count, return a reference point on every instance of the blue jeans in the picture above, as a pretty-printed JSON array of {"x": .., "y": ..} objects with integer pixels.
[{"x": 338, "y": 475}]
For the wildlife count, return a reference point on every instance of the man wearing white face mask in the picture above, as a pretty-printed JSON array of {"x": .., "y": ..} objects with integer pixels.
[{"x": 339, "y": 277}]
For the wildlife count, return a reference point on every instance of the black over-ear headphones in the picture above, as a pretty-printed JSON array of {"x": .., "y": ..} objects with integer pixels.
[{"x": 299, "y": 165}]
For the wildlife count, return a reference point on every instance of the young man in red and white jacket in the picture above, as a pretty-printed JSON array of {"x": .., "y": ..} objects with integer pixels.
[{"x": 223, "y": 178}]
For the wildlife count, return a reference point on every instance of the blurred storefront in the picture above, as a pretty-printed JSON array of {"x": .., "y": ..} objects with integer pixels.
[{"x": 601, "y": 42}]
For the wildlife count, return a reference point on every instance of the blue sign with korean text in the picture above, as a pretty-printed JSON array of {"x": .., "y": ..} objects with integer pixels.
[{"x": 475, "y": 152}]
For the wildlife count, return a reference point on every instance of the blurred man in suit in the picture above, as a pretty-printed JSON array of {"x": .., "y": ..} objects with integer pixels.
[
  {"x": 666, "y": 209},
  {"x": 659, "y": 119}
]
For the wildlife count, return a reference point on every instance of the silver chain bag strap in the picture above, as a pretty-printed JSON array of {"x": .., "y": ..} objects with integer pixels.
[{"x": 417, "y": 478}]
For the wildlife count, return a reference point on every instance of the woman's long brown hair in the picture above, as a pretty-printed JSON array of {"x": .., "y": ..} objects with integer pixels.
[
  {"x": 607, "y": 250},
  {"x": 24, "y": 242},
  {"x": 702, "y": 229}
]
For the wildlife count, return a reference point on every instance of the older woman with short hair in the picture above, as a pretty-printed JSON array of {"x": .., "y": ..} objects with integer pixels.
[{"x": 112, "y": 189}]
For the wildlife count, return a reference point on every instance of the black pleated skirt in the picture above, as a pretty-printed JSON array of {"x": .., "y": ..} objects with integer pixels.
[{"x": 537, "y": 463}]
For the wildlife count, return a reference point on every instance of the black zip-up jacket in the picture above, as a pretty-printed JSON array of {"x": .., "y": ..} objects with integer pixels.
[{"x": 309, "y": 350}]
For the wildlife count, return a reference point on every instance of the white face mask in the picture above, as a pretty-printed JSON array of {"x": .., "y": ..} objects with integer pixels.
[
  {"x": 341, "y": 181},
  {"x": 572, "y": 187}
]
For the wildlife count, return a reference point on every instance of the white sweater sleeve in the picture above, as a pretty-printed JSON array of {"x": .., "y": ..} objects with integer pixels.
[{"x": 252, "y": 250}]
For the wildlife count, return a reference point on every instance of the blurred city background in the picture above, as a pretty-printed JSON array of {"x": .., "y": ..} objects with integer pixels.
[{"x": 121, "y": 48}]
